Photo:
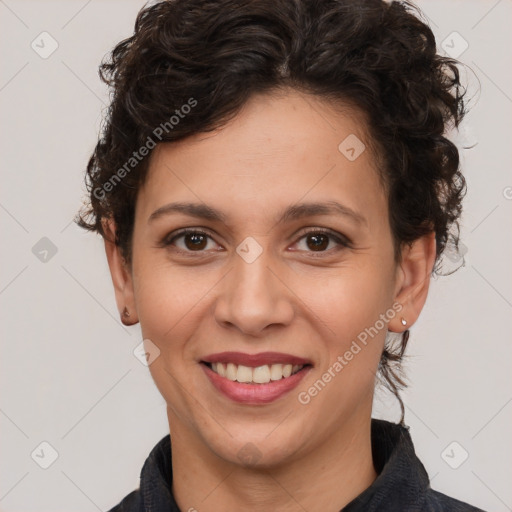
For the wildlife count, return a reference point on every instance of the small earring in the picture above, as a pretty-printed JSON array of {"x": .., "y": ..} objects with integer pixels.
[
  {"x": 404, "y": 321},
  {"x": 126, "y": 313}
]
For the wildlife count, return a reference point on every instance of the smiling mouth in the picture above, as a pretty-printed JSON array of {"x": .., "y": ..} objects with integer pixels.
[{"x": 255, "y": 375}]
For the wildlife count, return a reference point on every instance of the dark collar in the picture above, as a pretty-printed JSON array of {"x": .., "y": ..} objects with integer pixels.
[{"x": 402, "y": 483}]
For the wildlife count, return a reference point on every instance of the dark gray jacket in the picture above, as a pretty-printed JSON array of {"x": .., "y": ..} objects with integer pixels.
[{"x": 402, "y": 484}]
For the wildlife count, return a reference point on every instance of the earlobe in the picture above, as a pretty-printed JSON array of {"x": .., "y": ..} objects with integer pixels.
[
  {"x": 121, "y": 276},
  {"x": 414, "y": 280}
]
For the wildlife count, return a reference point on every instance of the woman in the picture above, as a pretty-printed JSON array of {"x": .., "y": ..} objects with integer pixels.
[{"x": 275, "y": 191}]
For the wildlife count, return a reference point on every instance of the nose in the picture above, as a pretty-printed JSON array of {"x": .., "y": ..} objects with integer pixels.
[{"x": 254, "y": 297}]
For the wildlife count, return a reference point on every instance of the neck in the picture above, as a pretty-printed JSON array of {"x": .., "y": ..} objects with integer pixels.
[{"x": 325, "y": 479}]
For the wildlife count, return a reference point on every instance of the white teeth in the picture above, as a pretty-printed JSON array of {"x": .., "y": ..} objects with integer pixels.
[
  {"x": 259, "y": 375},
  {"x": 221, "y": 369},
  {"x": 230, "y": 371},
  {"x": 276, "y": 372},
  {"x": 244, "y": 374}
]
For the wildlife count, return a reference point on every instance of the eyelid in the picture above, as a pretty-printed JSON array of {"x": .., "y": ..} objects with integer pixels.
[
  {"x": 171, "y": 237},
  {"x": 337, "y": 237}
]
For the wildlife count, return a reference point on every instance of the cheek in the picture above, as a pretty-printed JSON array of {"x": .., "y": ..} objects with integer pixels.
[
  {"x": 170, "y": 304},
  {"x": 347, "y": 299},
  {"x": 170, "y": 300},
  {"x": 348, "y": 305}
]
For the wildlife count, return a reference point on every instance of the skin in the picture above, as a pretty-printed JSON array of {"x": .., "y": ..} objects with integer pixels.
[{"x": 281, "y": 149}]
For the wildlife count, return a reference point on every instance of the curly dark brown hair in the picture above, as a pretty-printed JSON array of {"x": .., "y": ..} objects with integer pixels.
[{"x": 191, "y": 65}]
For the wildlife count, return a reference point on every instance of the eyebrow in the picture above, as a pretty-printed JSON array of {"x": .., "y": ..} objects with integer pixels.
[{"x": 294, "y": 212}]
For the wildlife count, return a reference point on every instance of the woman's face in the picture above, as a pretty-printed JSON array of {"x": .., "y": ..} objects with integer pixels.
[{"x": 260, "y": 281}]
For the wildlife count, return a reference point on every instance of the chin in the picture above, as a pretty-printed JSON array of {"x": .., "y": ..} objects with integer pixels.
[{"x": 258, "y": 451}]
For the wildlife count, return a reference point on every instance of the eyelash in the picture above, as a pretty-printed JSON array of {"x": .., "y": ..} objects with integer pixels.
[{"x": 343, "y": 241}]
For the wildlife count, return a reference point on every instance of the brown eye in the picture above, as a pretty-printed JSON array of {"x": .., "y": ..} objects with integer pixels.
[
  {"x": 190, "y": 240},
  {"x": 195, "y": 241},
  {"x": 318, "y": 242},
  {"x": 322, "y": 241}
]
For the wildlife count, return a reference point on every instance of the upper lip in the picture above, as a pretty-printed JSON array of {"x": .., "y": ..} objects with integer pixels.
[{"x": 254, "y": 360}]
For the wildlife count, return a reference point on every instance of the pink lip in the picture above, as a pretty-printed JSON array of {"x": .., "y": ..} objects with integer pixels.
[
  {"x": 255, "y": 393},
  {"x": 254, "y": 360}
]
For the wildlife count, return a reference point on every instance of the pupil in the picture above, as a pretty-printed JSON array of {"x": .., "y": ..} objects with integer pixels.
[
  {"x": 198, "y": 241},
  {"x": 319, "y": 241},
  {"x": 314, "y": 241}
]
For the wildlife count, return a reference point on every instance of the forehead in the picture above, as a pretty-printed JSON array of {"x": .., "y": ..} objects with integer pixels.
[{"x": 279, "y": 149}]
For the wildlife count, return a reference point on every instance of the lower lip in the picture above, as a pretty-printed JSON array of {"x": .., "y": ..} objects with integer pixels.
[{"x": 255, "y": 393}]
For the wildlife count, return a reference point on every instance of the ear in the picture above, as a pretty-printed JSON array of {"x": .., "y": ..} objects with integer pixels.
[
  {"x": 413, "y": 280},
  {"x": 121, "y": 276}
]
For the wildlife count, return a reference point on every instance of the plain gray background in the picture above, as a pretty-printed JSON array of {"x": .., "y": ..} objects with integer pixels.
[{"x": 68, "y": 374}]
